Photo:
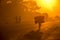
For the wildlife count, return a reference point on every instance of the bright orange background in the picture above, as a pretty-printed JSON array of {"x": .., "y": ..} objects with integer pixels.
[{"x": 52, "y": 7}]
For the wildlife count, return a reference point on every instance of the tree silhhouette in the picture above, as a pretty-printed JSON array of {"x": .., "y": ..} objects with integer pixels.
[{"x": 39, "y": 20}]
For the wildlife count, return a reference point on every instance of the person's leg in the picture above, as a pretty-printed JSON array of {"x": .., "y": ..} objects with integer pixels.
[{"x": 39, "y": 26}]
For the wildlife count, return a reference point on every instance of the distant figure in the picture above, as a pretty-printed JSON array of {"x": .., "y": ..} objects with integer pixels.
[
  {"x": 39, "y": 20},
  {"x": 18, "y": 19}
]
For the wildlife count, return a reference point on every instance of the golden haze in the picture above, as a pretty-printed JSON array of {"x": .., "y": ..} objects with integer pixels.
[{"x": 49, "y": 6}]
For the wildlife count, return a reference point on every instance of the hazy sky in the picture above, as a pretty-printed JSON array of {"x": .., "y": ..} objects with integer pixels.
[{"x": 52, "y": 7}]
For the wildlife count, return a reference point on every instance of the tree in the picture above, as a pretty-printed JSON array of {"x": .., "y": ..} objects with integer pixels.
[{"x": 30, "y": 5}]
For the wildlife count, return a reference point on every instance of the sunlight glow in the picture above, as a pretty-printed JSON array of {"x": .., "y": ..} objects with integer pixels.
[{"x": 48, "y": 4}]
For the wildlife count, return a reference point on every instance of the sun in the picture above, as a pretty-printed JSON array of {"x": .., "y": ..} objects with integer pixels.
[
  {"x": 48, "y": 4},
  {"x": 48, "y": 1}
]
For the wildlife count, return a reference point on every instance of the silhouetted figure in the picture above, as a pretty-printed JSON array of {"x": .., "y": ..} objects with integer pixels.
[
  {"x": 18, "y": 19},
  {"x": 36, "y": 35},
  {"x": 39, "y": 20}
]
